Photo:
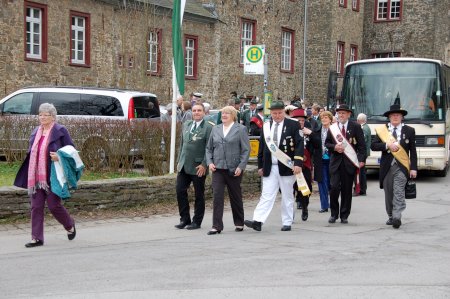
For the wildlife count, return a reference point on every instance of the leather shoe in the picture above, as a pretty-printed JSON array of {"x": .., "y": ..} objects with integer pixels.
[
  {"x": 344, "y": 220},
  {"x": 389, "y": 221},
  {"x": 323, "y": 210},
  {"x": 253, "y": 224},
  {"x": 362, "y": 193},
  {"x": 182, "y": 225},
  {"x": 71, "y": 235},
  {"x": 34, "y": 243},
  {"x": 192, "y": 226},
  {"x": 213, "y": 232},
  {"x": 396, "y": 223},
  {"x": 286, "y": 228},
  {"x": 332, "y": 219},
  {"x": 239, "y": 229},
  {"x": 305, "y": 214}
]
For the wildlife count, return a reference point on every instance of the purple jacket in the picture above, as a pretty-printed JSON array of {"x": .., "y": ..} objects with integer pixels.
[{"x": 60, "y": 137}]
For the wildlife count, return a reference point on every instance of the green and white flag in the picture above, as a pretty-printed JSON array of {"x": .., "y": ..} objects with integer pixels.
[{"x": 177, "y": 44}]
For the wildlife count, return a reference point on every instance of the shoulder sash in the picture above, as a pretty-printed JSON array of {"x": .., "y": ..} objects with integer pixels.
[
  {"x": 349, "y": 151},
  {"x": 386, "y": 136}
]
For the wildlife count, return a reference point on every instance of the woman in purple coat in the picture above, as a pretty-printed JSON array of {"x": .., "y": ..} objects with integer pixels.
[{"x": 34, "y": 174}]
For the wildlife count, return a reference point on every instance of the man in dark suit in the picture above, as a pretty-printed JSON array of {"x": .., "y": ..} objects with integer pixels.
[
  {"x": 342, "y": 162},
  {"x": 277, "y": 176},
  {"x": 192, "y": 167},
  {"x": 249, "y": 113},
  {"x": 397, "y": 142}
]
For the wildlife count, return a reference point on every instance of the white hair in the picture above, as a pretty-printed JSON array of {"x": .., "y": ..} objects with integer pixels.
[
  {"x": 48, "y": 108},
  {"x": 362, "y": 117},
  {"x": 207, "y": 107}
]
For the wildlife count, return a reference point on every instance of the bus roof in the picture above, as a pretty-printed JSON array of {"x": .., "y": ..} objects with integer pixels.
[{"x": 397, "y": 59}]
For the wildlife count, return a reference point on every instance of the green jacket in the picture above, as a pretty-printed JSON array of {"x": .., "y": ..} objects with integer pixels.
[
  {"x": 193, "y": 145},
  {"x": 246, "y": 117},
  {"x": 367, "y": 138}
]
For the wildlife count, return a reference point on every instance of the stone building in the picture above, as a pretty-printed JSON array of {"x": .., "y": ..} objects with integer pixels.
[{"x": 127, "y": 43}]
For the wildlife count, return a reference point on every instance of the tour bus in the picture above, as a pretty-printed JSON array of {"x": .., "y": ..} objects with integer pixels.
[{"x": 422, "y": 86}]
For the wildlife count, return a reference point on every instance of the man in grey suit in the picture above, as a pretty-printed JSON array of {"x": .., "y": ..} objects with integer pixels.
[{"x": 191, "y": 167}]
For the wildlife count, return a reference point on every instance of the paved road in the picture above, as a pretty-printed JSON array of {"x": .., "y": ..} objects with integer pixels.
[{"x": 148, "y": 258}]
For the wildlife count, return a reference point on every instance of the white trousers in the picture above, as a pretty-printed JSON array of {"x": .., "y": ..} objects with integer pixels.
[{"x": 270, "y": 187}]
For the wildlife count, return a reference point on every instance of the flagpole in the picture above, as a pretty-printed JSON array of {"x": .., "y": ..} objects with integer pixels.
[{"x": 173, "y": 129}]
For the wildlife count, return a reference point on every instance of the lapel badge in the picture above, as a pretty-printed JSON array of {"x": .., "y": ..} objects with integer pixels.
[
  {"x": 403, "y": 135},
  {"x": 291, "y": 143},
  {"x": 284, "y": 129},
  {"x": 284, "y": 142},
  {"x": 406, "y": 141}
]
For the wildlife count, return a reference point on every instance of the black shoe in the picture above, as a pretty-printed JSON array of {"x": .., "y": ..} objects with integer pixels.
[
  {"x": 362, "y": 193},
  {"x": 253, "y": 224},
  {"x": 192, "y": 226},
  {"x": 323, "y": 210},
  {"x": 182, "y": 224},
  {"x": 305, "y": 214},
  {"x": 213, "y": 232},
  {"x": 396, "y": 223},
  {"x": 71, "y": 235},
  {"x": 239, "y": 229},
  {"x": 34, "y": 243},
  {"x": 389, "y": 221},
  {"x": 332, "y": 219},
  {"x": 344, "y": 220},
  {"x": 286, "y": 228}
]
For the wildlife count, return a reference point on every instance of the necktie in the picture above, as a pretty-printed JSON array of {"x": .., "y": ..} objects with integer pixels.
[
  {"x": 395, "y": 133},
  {"x": 343, "y": 131},
  {"x": 275, "y": 133},
  {"x": 194, "y": 128}
]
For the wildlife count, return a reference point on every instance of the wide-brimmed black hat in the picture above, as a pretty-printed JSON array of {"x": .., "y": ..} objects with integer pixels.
[
  {"x": 277, "y": 105},
  {"x": 344, "y": 107},
  {"x": 395, "y": 109}
]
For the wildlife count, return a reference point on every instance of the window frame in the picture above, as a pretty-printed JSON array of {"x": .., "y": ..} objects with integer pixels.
[
  {"x": 355, "y": 7},
  {"x": 87, "y": 37},
  {"x": 386, "y": 54},
  {"x": 342, "y": 3},
  {"x": 194, "y": 57},
  {"x": 353, "y": 48},
  {"x": 388, "y": 12},
  {"x": 292, "y": 50},
  {"x": 340, "y": 59},
  {"x": 241, "y": 39},
  {"x": 158, "y": 32},
  {"x": 43, "y": 35}
]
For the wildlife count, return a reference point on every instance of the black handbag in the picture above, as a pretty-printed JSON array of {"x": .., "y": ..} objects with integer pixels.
[{"x": 410, "y": 189}]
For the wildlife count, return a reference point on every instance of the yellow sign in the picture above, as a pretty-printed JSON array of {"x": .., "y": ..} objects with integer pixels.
[
  {"x": 254, "y": 147},
  {"x": 267, "y": 102}
]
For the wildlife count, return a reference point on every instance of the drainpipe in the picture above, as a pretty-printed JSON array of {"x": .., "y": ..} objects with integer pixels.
[{"x": 305, "y": 31}]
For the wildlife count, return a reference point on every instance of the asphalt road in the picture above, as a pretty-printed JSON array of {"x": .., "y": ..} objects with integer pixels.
[{"x": 149, "y": 258}]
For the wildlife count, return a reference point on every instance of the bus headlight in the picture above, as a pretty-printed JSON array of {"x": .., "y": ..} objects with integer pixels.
[{"x": 434, "y": 140}]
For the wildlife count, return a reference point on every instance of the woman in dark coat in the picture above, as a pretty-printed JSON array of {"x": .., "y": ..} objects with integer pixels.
[{"x": 34, "y": 174}]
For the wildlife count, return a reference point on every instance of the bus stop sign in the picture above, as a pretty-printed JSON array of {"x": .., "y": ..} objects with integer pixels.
[{"x": 254, "y": 59}]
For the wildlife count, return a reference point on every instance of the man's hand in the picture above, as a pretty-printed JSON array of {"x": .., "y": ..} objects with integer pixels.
[
  {"x": 361, "y": 164},
  {"x": 306, "y": 131},
  {"x": 237, "y": 172},
  {"x": 393, "y": 147},
  {"x": 212, "y": 167},
  {"x": 413, "y": 174},
  {"x": 260, "y": 172},
  {"x": 201, "y": 170},
  {"x": 339, "y": 148},
  {"x": 297, "y": 170}
]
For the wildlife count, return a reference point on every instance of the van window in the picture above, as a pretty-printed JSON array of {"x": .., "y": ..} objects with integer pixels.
[
  {"x": 19, "y": 104},
  {"x": 65, "y": 103},
  {"x": 92, "y": 104},
  {"x": 146, "y": 107}
]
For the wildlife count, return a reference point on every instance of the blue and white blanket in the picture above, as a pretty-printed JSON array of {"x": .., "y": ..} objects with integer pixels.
[{"x": 66, "y": 172}]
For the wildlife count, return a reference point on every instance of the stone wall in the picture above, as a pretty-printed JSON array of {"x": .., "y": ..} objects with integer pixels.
[{"x": 117, "y": 193}]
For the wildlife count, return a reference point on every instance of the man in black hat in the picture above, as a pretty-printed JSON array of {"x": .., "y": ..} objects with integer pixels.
[
  {"x": 345, "y": 143},
  {"x": 397, "y": 143},
  {"x": 257, "y": 121},
  {"x": 281, "y": 133},
  {"x": 249, "y": 113}
]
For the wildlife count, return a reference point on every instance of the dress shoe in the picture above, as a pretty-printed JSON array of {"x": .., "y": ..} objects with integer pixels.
[
  {"x": 192, "y": 226},
  {"x": 305, "y": 214},
  {"x": 323, "y": 210},
  {"x": 396, "y": 223},
  {"x": 238, "y": 229},
  {"x": 182, "y": 225},
  {"x": 253, "y": 224},
  {"x": 332, "y": 219},
  {"x": 286, "y": 228},
  {"x": 389, "y": 221},
  {"x": 213, "y": 232},
  {"x": 344, "y": 220},
  {"x": 71, "y": 234},
  {"x": 34, "y": 243},
  {"x": 362, "y": 193}
]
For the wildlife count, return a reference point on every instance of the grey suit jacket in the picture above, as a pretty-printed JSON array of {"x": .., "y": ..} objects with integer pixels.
[{"x": 228, "y": 152}]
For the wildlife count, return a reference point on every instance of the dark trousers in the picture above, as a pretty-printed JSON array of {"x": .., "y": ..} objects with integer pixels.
[
  {"x": 183, "y": 182},
  {"x": 220, "y": 178},
  {"x": 363, "y": 180},
  {"x": 299, "y": 197},
  {"x": 37, "y": 212},
  {"x": 341, "y": 184}
]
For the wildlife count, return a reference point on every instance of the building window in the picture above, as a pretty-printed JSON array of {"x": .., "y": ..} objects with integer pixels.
[
  {"x": 353, "y": 53},
  {"x": 35, "y": 31},
  {"x": 287, "y": 50},
  {"x": 130, "y": 61},
  {"x": 355, "y": 5},
  {"x": 248, "y": 35},
  {"x": 154, "y": 52},
  {"x": 343, "y": 3},
  {"x": 190, "y": 56},
  {"x": 386, "y": 55},
  {"x": 120, "y": 60},
  {"x": 79, "y": 38},
  {"x": 388, "y": 10},
  {"x": 340, "y": 54}
]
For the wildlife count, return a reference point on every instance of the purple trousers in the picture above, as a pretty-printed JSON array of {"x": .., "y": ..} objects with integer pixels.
[{"x": 37, "y": 213}]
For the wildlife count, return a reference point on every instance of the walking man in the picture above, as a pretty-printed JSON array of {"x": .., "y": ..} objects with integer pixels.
[
  {"x": 362, "y": 121},
  {"x": 192, "y": 168}
]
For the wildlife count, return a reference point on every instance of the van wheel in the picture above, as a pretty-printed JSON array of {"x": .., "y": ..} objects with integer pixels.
[{"x": 95, "y": 153}]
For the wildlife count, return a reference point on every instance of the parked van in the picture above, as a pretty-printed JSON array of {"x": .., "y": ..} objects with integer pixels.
[{"x": 83, "y": 101}]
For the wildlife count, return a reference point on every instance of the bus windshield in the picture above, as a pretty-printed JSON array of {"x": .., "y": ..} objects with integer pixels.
[{"x": 371, "y": 88}]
